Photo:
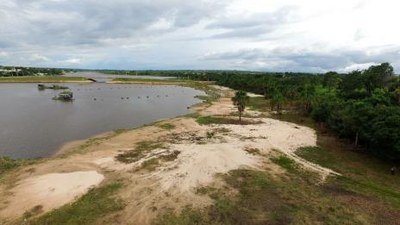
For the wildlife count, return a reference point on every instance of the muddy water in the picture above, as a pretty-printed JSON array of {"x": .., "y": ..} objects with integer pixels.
[{"x": 33, "y": 125}]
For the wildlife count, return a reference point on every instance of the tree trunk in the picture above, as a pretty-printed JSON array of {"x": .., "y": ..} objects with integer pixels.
[
  {"x": 240, "y": 116},
  {"x": 356, "y": 140}
]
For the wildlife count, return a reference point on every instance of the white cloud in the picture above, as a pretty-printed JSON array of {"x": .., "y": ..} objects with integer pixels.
[
  {"x": 72, "y": 61},
  {"x": 38, "y": 58}
]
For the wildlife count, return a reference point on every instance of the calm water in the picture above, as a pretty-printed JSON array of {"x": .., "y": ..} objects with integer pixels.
[{"x": 33, "y": 125}]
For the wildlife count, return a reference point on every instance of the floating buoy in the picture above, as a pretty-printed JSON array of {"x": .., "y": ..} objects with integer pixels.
[
  {"x": 95, "y": 99},
  {"x": 148, "y": 97}
]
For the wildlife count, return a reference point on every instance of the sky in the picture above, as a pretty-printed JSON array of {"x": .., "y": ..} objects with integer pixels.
[{"x": 260, "y": 35}]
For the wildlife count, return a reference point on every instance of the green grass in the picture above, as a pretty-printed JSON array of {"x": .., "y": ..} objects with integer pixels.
[
  {"x": 285, "y": 162},
  {"x": 8, "y": 164},
  {"x": 96, "y": 203},
  {"x": 361, "y": 173},
  {"x": 141, "y": 149},
  {"x": 258, "y": 104},
  {"x": 211, "y": 93},
  {"x": 166, "y": 126},
  {"x": 262, "y": 199},
  {"x": 206, "y": 120},
  {"x": 41, "y": 79}
]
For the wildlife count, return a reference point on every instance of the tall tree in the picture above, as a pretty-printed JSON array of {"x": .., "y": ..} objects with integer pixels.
[{"x": 240, "y": 100}]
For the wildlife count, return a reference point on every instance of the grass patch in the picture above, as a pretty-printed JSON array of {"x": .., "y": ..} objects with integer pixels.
[
  {"x": 258, "y": 104},
  {"x": 296, "y": 118},
  {"x": 8, "y": 164},
  {"x": 153, "y": 163},
  {"x": 211, "y": 93},
  {"x": 261, "y": 199},
  {"x": 206, "y": 120},
  {"x": 140, "y": 151},
  {"x": 96, "y": 203},
  {"x": 318, "y": 156},
  {"x": 361, "y": 173},
  {"x": 41, "y": 79},
  {"x": 166, "y": 126},
  {"x": 285, "y": 162},
  {"x": 150, "y": 164}
]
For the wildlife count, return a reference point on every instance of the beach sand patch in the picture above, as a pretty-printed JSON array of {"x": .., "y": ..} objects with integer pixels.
[{"x": 50, "y": 191}]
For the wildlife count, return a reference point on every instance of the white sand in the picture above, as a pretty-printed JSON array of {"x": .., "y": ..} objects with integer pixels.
[
  {"x": 51, "y": 190},
  {"x": 198, "y": 164}
]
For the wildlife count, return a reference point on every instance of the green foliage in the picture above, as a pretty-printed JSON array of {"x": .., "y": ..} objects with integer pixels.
[
  {"x": 240, "y": 100},
  {"x": 96, "y": 203},
  {"x": 285, "y": 162},
  {"x": 363, "y": 106}
]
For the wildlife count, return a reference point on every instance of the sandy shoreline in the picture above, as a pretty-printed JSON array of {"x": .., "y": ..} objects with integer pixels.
[{"x": 198, "y": 159}]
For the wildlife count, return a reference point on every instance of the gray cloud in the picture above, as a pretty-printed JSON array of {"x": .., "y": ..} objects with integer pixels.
[
  {"x": 255, "y": 25},
  {"x": 303, "y": 60},
  {"x": 76, "y": 22}
]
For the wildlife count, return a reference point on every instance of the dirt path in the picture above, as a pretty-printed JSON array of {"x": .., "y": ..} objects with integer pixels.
[{"x": 201, "y": 152}]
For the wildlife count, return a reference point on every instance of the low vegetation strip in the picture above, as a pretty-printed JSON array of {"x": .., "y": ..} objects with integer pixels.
[
  {"x": 42, "y": 79},
  {"x": 147, "y": 81},
  {"x": 206, "y": 120},
  {"x": 7, "y": 164}
]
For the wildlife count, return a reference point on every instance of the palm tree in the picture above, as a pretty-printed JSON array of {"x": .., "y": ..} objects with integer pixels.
[{"x": 240, "y": 100}]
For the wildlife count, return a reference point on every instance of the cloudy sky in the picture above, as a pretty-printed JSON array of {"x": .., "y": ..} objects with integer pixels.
[{"x": 262, "y": 35}]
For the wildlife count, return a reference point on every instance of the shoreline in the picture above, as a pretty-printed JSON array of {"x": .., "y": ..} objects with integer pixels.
[{"x": 199, "y": 160}]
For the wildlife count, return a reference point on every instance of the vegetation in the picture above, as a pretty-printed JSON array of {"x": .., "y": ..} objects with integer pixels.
[
  {"x": 10, "y": 71},
  {"x": 7, "y": 164},
  {"x": 41, "y": 79},
  {"x": 141, "y": 149},
  {"x": 146, "y": 81},
  {"x": 86, "y": 210},
  {"x": 167, "y": 126},
  {"x": 206, "y": 120},
  {"x": 65, "y": 96},
  {"x": 363, "y": 105},
  {"x": 365, "y": 194},
  {"x": 240, "y": 100}
]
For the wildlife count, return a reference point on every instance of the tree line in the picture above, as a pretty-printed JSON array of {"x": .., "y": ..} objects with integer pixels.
[
  {"x": 363, "y": 105},
  {"x": 10, "y": 71}
]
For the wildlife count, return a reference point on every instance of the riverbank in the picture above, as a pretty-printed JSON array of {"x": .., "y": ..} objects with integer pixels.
[{"x": 204, "y": 163}]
